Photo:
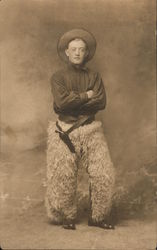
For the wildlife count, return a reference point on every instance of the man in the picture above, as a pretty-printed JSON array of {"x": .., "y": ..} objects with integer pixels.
[{"x": 78, "y": 94}]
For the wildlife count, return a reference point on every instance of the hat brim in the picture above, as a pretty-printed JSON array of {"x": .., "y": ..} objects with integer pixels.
[{"x": 86, "y": 36}]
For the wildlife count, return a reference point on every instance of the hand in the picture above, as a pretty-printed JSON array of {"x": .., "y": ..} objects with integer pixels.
[{"x": 90, "y": 93}]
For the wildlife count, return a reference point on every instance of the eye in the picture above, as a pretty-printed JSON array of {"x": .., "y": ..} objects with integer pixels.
[{"x": 73, "y": 49}]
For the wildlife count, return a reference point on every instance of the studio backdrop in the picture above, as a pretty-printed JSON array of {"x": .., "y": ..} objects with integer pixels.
[{"x": 125, "y": 56}]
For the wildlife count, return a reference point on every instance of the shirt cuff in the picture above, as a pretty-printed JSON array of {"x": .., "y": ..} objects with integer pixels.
[{"x": 84, "y": 97}]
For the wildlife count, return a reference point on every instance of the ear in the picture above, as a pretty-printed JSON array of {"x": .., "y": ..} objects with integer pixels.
[
  {"x": 67, "y": 52},
  {"x": 87, "y": 53}
]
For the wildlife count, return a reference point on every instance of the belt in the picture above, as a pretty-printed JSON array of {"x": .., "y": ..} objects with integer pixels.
[{"x": 64, "y": 135}]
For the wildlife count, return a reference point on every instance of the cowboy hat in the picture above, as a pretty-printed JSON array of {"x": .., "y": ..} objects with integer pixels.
[{"x": 85, "y": 35}]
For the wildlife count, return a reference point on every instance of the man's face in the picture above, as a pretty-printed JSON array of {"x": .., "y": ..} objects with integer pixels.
[{"x": 76, "y": 51}]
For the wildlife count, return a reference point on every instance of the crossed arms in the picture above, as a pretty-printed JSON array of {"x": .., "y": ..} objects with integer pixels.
[{"x": 93, "y": 99}]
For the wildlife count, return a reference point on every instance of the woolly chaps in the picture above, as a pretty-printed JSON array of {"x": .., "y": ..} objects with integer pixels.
[{"x": 62, "y": 168}]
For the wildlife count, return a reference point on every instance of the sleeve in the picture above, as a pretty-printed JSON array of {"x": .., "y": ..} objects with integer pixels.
[
  {"x": 63, "y": 98},
  {"x": 98, "y": 101}
]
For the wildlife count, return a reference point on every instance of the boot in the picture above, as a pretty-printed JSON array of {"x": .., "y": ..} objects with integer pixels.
[
  {"x": 105, "y": 224},
  {"x": 69, "y": 224}
]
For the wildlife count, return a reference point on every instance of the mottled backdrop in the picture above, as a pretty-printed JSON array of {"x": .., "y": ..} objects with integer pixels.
[{"x": 125, "y": 56}]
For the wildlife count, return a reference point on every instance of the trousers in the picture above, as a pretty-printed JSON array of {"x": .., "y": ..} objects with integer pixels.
[{"x": 62, "y": 168}]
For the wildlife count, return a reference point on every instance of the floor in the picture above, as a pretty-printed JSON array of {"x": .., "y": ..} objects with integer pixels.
[{"x": 23, "y": 221}]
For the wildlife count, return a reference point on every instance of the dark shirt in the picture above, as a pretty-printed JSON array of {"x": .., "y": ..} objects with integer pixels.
[{"x": 69, "y": 87}]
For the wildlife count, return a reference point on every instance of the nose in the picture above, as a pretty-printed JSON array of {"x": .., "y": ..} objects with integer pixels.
[{"x": 77, "y": 52}]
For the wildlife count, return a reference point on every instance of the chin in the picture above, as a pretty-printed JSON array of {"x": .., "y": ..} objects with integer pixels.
[{"x": 77, "y": 62}]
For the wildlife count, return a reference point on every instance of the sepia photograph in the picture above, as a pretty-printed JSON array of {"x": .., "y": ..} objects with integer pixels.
[{"x": 78, "y": 164}]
